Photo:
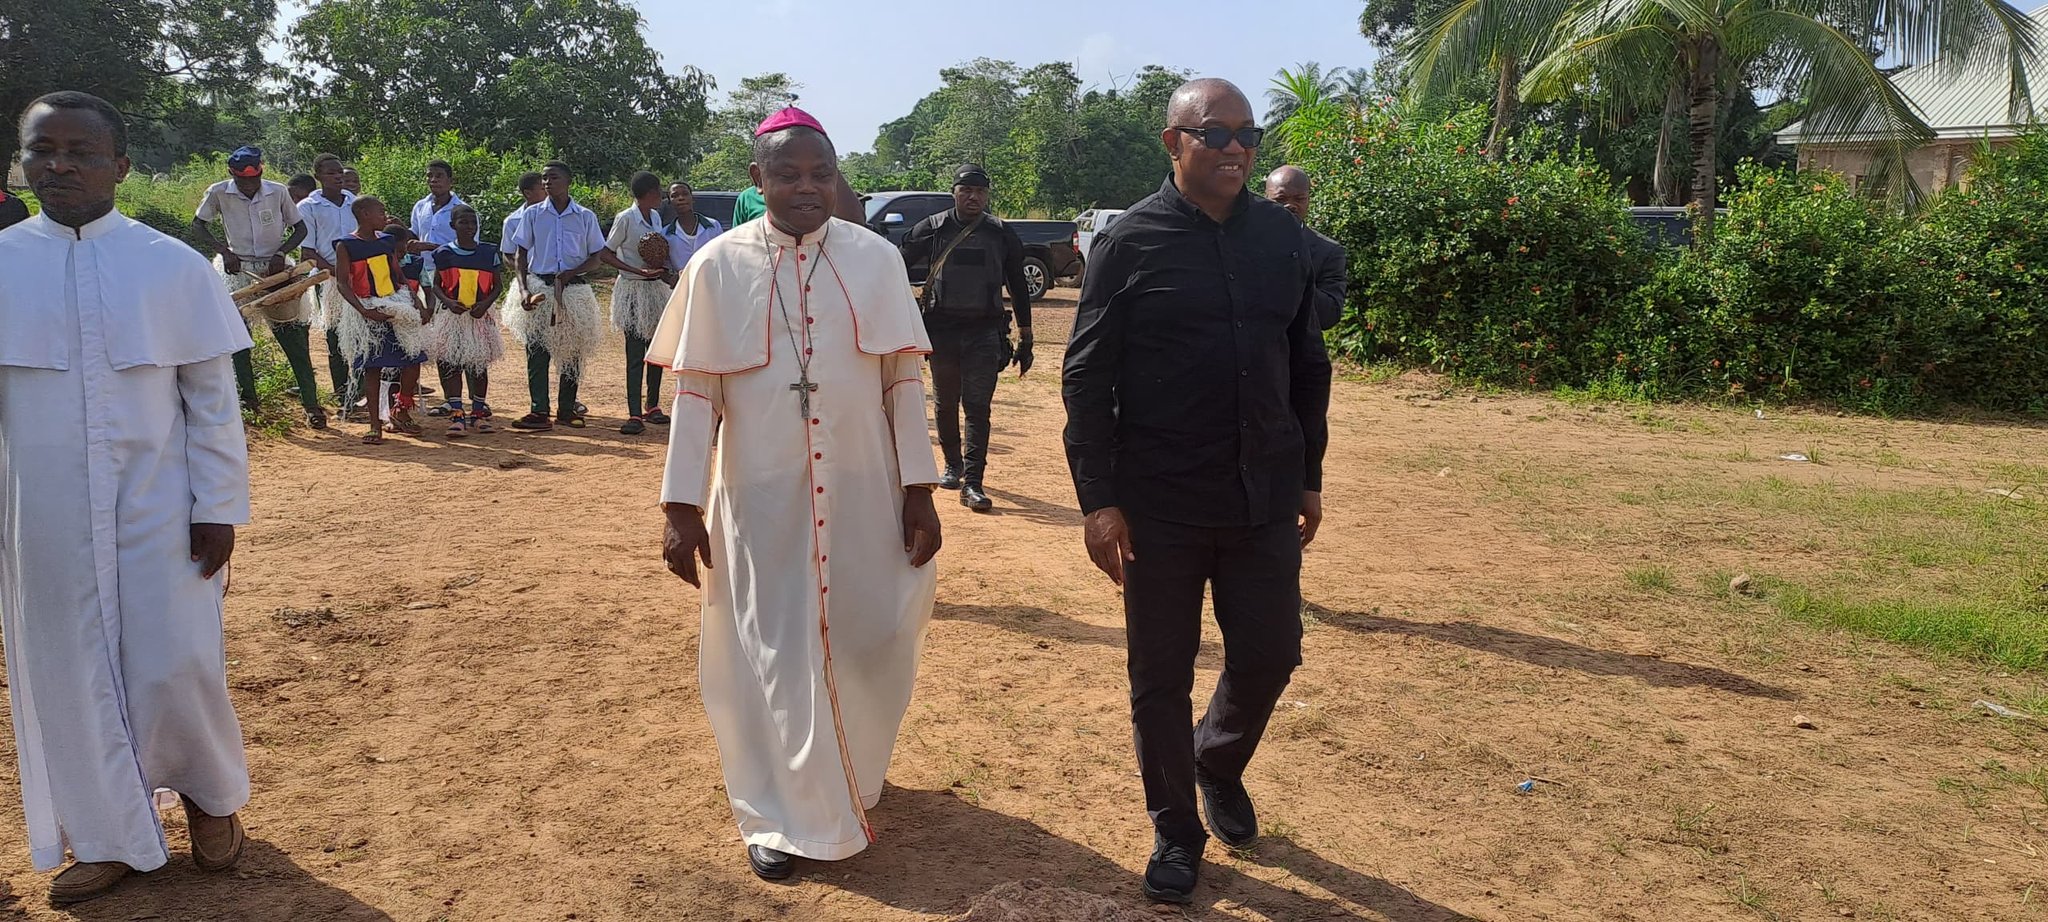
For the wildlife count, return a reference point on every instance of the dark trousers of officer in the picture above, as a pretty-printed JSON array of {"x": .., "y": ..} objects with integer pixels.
[
  {"x": 1254, "y": 574},
  {"x": 291, "y": 340},
  {"x": 965, "y": 365}
]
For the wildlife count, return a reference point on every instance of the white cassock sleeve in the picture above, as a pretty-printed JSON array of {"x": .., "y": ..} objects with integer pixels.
[
  {"x": 903, "y": 400},
  {"x": 693, "y": 426},
  {"x": 216, "y": 453}
]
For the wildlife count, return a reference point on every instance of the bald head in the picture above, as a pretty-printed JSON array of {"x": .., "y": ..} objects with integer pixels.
[
  {"x": 1199, "y": 98},
  {"x": 1288, "y": 187}
]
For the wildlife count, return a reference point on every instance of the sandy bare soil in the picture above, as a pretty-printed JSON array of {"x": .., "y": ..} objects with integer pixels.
[{"x": 468, "y": 688}]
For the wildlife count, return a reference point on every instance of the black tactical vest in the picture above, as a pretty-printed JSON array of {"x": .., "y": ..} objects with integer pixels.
[{"x": 969, "y": 285}]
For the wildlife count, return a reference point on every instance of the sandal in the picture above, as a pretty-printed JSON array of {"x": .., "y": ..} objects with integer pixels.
[
  {"x": 481, "y": 426},
  {"x": 455, "y": 427},
  {"x": 316, "y": 418},
  {"x": 533, "y": 422},
  {"x": 402, "y": 422},
  {"x": 573, "y": 422}
]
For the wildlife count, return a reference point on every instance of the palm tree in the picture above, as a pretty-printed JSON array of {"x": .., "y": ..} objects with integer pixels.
[
  {"x": 1472, "y": 35},
  {"x": 1818, "y": 51},
  {"x": 1293, "y": 90}
]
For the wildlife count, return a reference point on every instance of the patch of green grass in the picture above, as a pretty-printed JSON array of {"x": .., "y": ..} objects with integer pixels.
[
  {"x": 276, "y": 410},
  {"x": 1752, "y": 896},
  {"x": 1983, "y": 631},
  {"x": 1653, "y": 578},
  {"x": 1610, "y": 390},
  {"x": 2034, "y": 779},
  {"x": 1372, "y": 373}
]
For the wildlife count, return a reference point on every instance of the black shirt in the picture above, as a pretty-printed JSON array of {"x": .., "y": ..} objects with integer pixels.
[
  {"x": 1196, "y": 384},
  {"x": 932, "y": 235},
  {"x": 1328, "y": 259},
  {"x": 12, "y": 210}
]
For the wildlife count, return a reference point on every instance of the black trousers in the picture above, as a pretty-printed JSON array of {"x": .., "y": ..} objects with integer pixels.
[
  {"x": 965, "y": 364},
  {"x": 1255, "y": 576},
  {"x": 452, "y": 377}
]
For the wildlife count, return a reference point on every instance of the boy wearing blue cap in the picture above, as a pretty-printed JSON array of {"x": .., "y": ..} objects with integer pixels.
[{"x": 261, "y": 222}]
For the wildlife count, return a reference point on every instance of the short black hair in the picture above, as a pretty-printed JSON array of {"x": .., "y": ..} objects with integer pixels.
[
  {"x": 642, "y": 183},
  {"x": 73, "y": 99},
  {"x": 441, "y": 165},
  {"x": 766, "y": 145},
  {"x": 303, "y": 179},
  {"x": 363, "y": 203},
  {"x": 528, "y": 181},
  {"x": 558, "y": 165},
  {"x": 319, "y": 159}
]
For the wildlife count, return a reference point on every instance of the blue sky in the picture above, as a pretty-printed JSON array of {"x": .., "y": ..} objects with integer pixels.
[{"x": 863, "y": 64}]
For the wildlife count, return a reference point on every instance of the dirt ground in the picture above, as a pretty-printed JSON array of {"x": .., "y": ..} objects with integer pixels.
[{"x": 468, "y": 689}]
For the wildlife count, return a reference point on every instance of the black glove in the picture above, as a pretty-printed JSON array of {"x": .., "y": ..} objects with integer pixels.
[{"x": 1023, "y": 359}]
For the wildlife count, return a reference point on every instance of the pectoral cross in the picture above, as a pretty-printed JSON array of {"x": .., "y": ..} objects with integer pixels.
[{"x": 804, "y": 389}]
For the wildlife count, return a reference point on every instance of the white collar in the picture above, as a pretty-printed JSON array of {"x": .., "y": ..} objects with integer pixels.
[{"x": 103, "y": 225}]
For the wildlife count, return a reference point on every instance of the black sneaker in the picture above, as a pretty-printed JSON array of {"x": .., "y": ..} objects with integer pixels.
[
  {"x": 950, "y": 480},
  {"x": 633, "y": 426},
  {"x": 655, "y": 417},
  {"x": 972, "y": 497},
  {"x": 1170, "y": 875},
  {"x": 1229, "y": 807}
]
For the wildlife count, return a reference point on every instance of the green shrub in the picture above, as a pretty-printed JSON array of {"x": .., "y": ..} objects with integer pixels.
[
  {"x": 1813, "y": 295},
  {"x": 1500, "y": 271},
  {"x": 1984, "y": 248}
]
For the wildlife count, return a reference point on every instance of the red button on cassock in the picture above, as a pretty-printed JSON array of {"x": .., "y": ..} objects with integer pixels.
[{"x": 821, "y": 489}]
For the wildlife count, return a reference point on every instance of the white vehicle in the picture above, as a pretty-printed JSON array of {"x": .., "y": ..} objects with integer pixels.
[{"x": 1091, "y": 222}]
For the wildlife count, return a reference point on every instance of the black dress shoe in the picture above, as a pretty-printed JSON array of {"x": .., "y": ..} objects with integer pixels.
[
  {"x": 1170, "y": 876},
  {"x": 972, "y": 497},
  {"x": 950, "y": 480},
  {"x": 1229, "y": 807},
  {"x": 769, "y": 864}
]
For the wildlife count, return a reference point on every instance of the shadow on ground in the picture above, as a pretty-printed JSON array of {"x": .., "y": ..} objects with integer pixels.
[
  {"x": 938, "y": 852},
  {"x": 266, "y": 887},
  {"x": 1553, "y": 653}
]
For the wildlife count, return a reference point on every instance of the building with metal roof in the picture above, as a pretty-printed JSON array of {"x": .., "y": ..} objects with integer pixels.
[{"x": 1966, "y": 109}]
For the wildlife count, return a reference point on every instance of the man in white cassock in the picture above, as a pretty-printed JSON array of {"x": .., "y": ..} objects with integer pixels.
[
  {"x": 797, "y": 349},
  {"x": 123, "y": 472}
]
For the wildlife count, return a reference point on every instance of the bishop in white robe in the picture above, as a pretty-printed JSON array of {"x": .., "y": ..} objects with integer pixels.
[
  {"x": 799, "y": 425},
  {"x": 119, "y": 432}
]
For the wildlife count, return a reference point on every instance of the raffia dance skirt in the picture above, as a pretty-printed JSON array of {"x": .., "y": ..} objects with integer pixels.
[
  {"x": 637, "y": 305},
  {"x": 375, "y": 344},
  {"x": 569, "y": 331},
  {"x": 466, "y": 340}
]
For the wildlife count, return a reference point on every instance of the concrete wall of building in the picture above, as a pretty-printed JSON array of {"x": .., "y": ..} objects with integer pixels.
[{"x": 1935, "y": 167}]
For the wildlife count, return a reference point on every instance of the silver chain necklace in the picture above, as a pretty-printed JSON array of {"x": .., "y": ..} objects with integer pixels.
[{"x": 803, "y": 386}]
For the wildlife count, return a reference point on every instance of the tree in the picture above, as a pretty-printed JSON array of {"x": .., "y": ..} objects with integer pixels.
[
  {"x": 154, "y": 59},
  {"x": 1817, "y": 50},
  {"x": 727, "y": 147},
  {"x": 573, "y": 75},
  {"x": 1467, "y": 36},
  {"x": 1386, "y": 22}
]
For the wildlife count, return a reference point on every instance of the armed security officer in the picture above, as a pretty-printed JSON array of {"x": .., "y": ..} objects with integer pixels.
[{"x": 972, "y": 255}]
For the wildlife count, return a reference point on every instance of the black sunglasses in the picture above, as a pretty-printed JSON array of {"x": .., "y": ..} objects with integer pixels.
[{"x": 1218, "y": 137}]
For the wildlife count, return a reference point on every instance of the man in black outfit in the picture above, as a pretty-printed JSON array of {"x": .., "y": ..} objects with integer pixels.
[
  {"x": 1196, "y": 391},
  {"x": 1288, "y": 187},
  {"x": 12, "y": 209},
  {"x": 972, "y": 255}
]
